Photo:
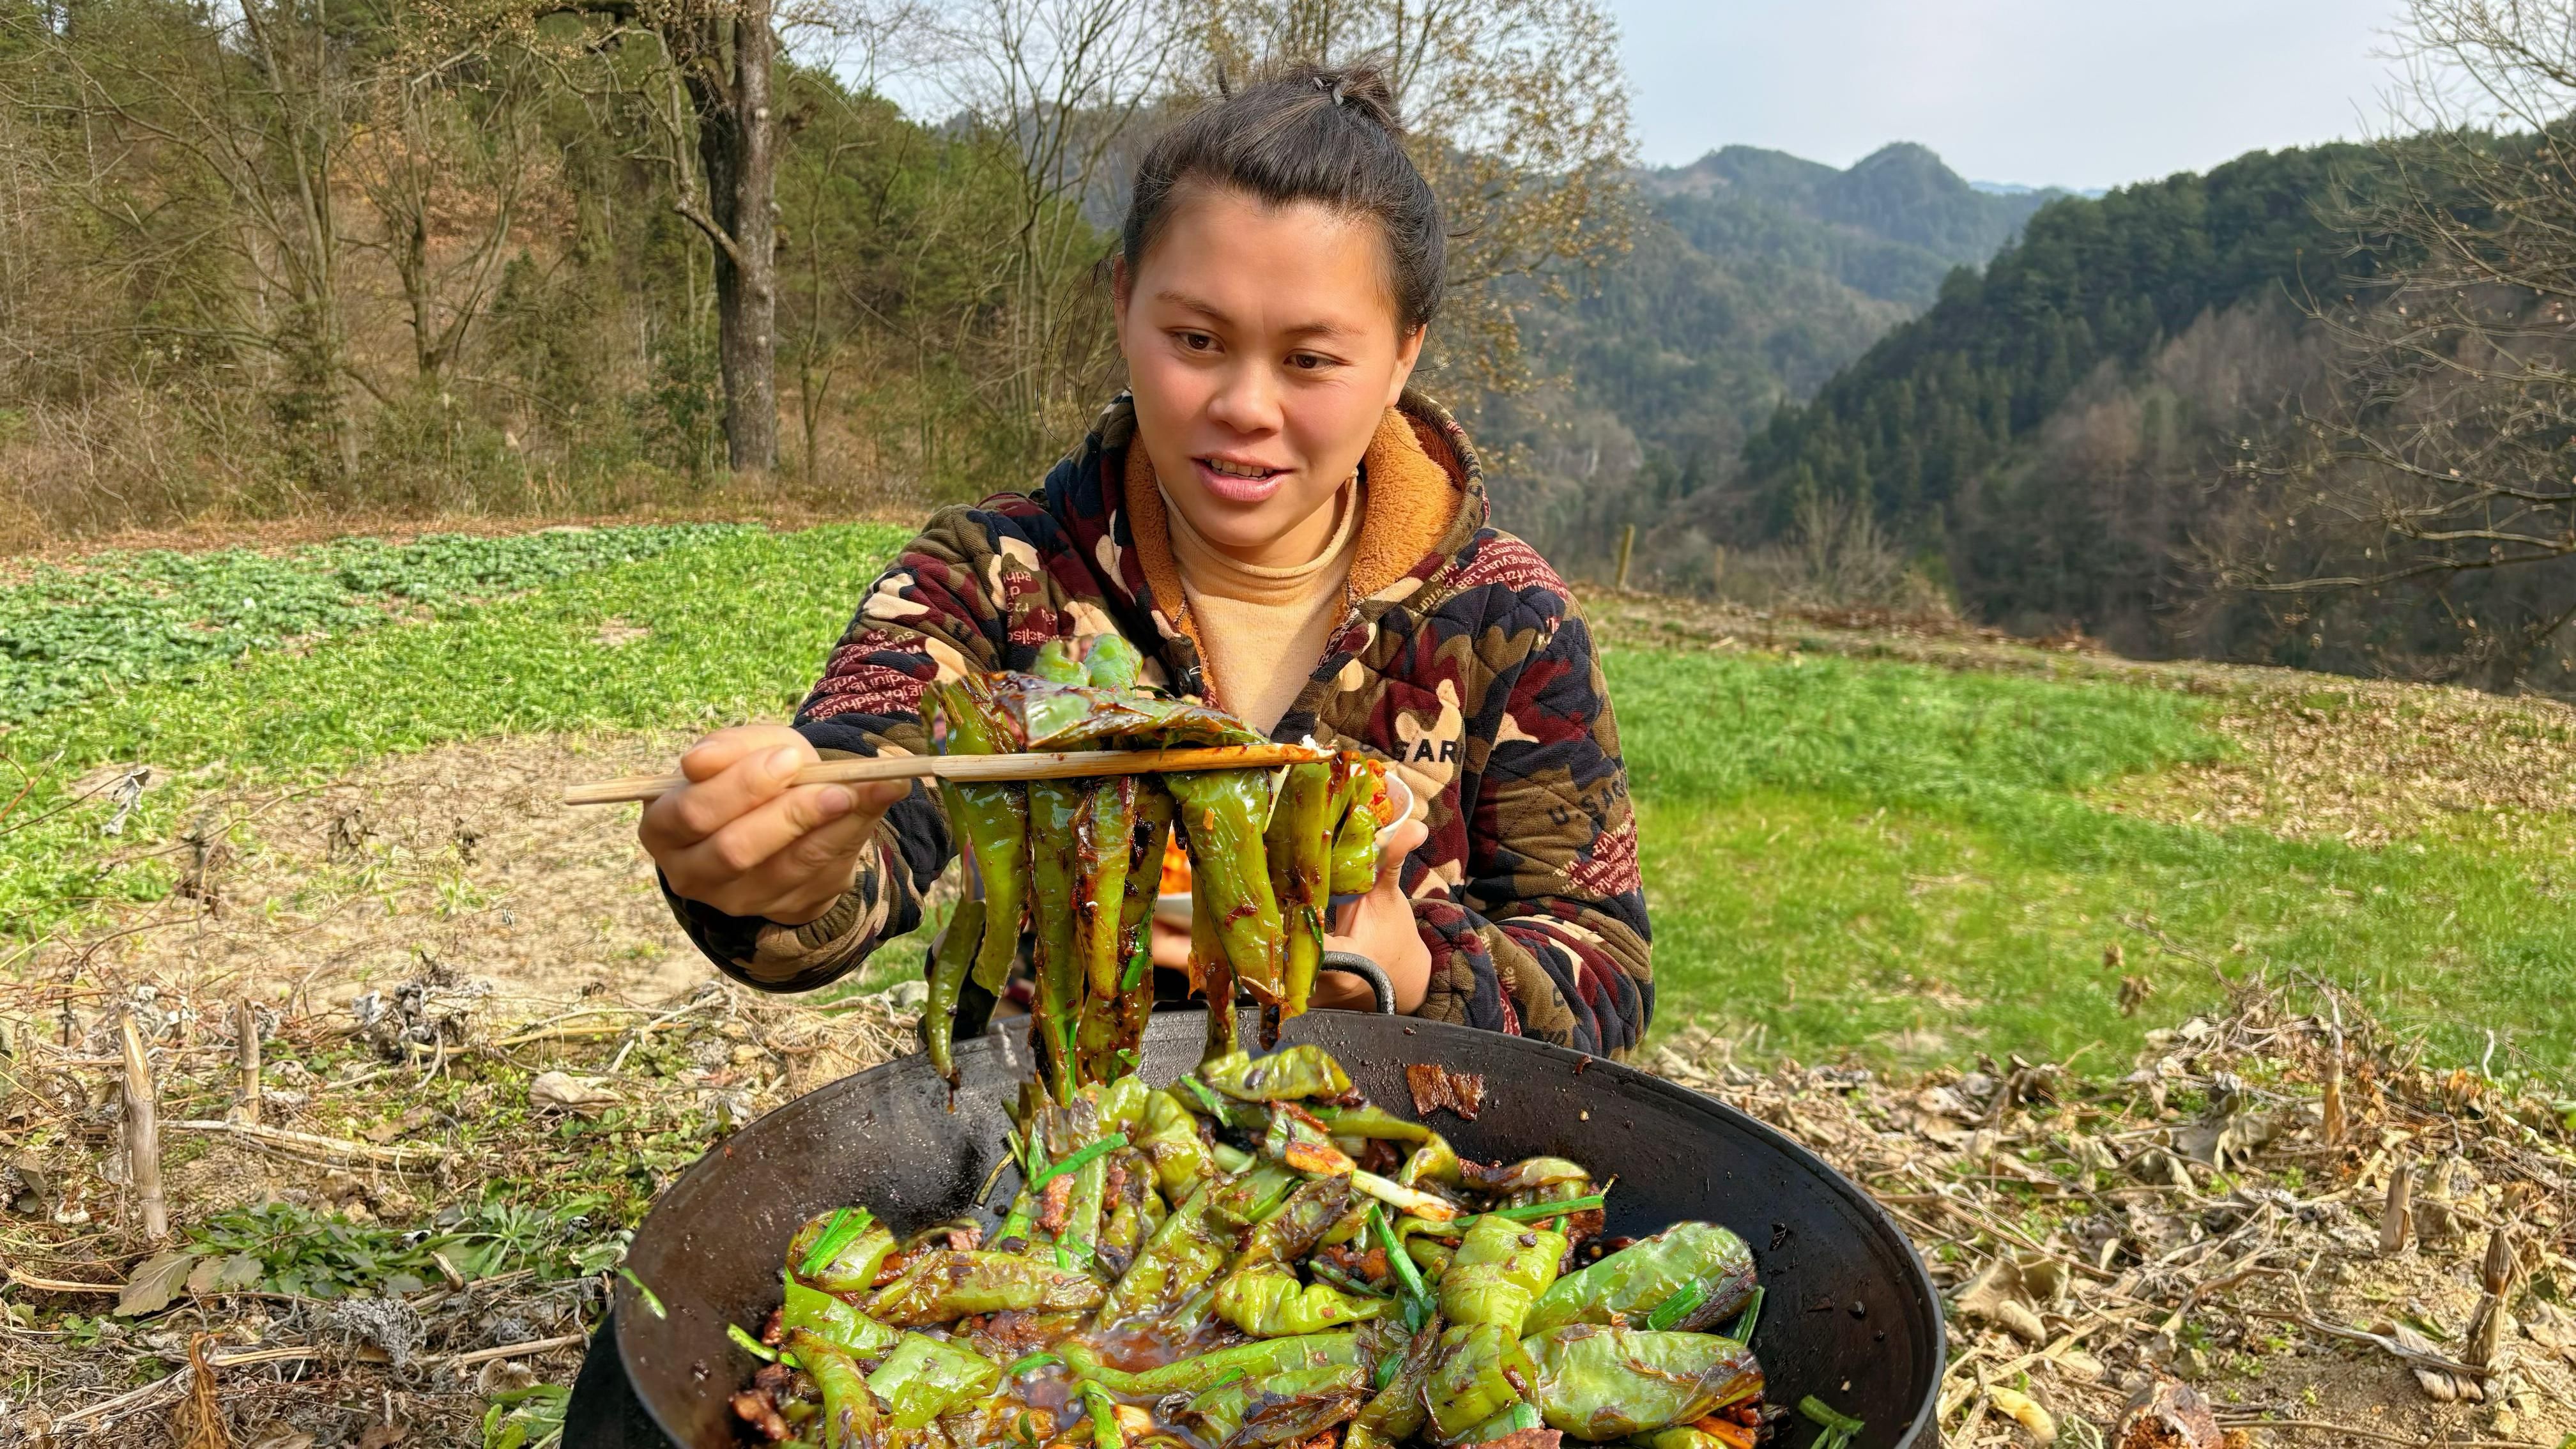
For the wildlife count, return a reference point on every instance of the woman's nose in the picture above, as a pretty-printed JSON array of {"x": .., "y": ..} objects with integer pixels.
[{"x": 1246, "y": 401}]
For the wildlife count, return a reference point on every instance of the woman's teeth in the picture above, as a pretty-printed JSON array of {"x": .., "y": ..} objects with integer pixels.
[{"x": 1237, "y": 470}]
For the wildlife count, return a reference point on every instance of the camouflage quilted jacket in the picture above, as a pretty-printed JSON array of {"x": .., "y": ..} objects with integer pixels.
[{"x": 1461, "y": 660}]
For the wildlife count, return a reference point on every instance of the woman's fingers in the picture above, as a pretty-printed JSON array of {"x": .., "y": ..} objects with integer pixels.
[{"x": 748, "y": 779}]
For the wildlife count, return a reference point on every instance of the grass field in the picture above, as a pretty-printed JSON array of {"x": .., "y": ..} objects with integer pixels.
[{"x": 1890, "y": 859}]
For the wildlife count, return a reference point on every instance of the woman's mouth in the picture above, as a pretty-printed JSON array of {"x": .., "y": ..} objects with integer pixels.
[{"x": 1238, "y": 482}]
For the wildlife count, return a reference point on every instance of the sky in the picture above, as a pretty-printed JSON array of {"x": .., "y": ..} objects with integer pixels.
[{"x": 2075, "y": 93}]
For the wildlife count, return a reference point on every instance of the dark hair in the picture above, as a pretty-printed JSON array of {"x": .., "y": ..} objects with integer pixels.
[{"x": 1305, "y": 134}]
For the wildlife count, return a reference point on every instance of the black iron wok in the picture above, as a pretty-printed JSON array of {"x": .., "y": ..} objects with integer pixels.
[{"x": 1850, "y": 1314}]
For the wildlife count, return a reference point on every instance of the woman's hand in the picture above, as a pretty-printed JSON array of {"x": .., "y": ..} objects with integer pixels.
[
  {"x": 1380, "y": 926},
  {"x": 739, "y": 838}
]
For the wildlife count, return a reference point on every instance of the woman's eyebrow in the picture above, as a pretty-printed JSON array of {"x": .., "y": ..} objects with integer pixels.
[{"x": 1205, "y": 308}]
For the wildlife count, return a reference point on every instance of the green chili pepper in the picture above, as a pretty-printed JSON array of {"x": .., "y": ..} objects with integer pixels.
[
  {"x": 1225, "y": 811},
  {"x": 1291, "y": 1407},
  {"x": 1258, "y": 1359},
  {"x": 1299, "y": 1223},
  {"x": 1356, "y": 824},
  {"x": 830, "y": 1316},
  {"x": 1056, "y": 665},
  {"x": 944, "y": 1285},
  {"x": 1171, "y": 1141},
  {"x": 1286, "y": 1075},
  {"x": 1265, "y": 1300},
  {"x": 992, "y": 817},
  {"x": 1113, "y": 662},
  {"x": 1498, "y": 1272},
  {"x": 1298, "y": 847},
  {"x": 926, "y": 1377},
  {"x": 840, "y": 1251},
  {"x": 1054, "y": 807},
  {"x": 1027, "y": 1361},
  {"x": 948, "y": 969},
  {"x": 1629, "y": 1284},
  {"x": 743, "y": 1340},
  {"x": 849, "y": 1410},
  {"x": 1601, "y": 1383},
  {"x": 1211, "y": 975},
  {"x": 1479, "y": 1373},
  {"x": 1153, "y": 829},
  {"x": 1103, "y": 841},
  {"x": 1397, "y": 1411}
]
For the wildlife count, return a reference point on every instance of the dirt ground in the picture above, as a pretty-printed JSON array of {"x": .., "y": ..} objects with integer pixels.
[{"x": 2194, "y": 1214}]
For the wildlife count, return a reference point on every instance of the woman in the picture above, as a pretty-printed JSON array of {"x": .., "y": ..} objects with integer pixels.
[{"x": 1280, "y": 526}]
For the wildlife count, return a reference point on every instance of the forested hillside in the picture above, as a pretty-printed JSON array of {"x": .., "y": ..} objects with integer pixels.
[
  {"x": 2309, "y": 408},
  {"x": 1752, "y": 277}
]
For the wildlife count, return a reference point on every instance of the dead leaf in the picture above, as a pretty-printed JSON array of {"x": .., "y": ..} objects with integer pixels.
[
  {"x": 384, "y": 1436},
  {"x": 284, "y": 1439},
  {"x": 563, "y": 1092},
  {"x": 2167, "y": 1415},
  {"x": 1999, "y": 1296},
  {"x": 155, "y": 1283}
]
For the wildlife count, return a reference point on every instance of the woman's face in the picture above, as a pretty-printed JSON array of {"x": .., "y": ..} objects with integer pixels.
[{"x": 1262, "y": 347}]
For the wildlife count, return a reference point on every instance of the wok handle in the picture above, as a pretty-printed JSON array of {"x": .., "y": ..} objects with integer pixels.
[{"x": 1368, "y": 971}]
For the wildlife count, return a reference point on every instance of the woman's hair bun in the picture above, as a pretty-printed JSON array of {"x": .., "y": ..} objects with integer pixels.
[
  {"x": 1328, "y": 134},
  {"x": 1360, "y": 88}
]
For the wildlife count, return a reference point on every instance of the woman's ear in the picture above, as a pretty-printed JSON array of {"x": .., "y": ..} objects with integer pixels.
[{"x": 1408, "y": 351}]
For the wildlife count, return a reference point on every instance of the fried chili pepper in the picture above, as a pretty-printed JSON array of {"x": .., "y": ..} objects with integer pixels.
[
  {"x": 943, "y": 1285},
  {"x": 993, "y": 816},
  {"x": 1260, "y": 1359},
  {"x": 849, "y": 1410},
  {"x": 1499, "y": 1271},
  {"x": 1286, "y": 1075},
  {"x": 1626, "y": 1286},
  {"x": 835, "y": 1318},
  {"x": 1056, "y": 665},
  {"x": 1480, "y": 1372},
  {"x": 1135, "y": 999},
  {"x": 1298, "y": 847},
  {"x": 1398, "y": 1411},
  {"x": 1104, "y": 842},
  {"x": 839, "y": 1251},
  {"x": 1211, "y": 975},
  {"x": 1433, "y": 1160},
  {"x": 1186, "y": 1237},
  {"x": 1354, "y": 853},
  {"x": 1171, "y": 1139},
  {"x": 1291, "y": 1232},
  {"x": 1224, "y": 812},
  {"x": 924, "y": 1378},
  {"x": 1054, "y": 807},
  {"x": 948, "y": 968},
  {"x": 1257, "y": 1412},
  {"x": 1601, "y": 1383},
  {"x": 1113, "y": 663},
  {"x": 1266, "y": 1300}
]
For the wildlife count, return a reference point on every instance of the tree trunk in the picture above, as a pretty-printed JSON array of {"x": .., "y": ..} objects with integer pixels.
[{"x": 737, "y": 145}]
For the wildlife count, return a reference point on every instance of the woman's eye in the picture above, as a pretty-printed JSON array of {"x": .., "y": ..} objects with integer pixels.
[
  {"x": 1308, "y": 361},
  {"x": 1197, "y": 341}
]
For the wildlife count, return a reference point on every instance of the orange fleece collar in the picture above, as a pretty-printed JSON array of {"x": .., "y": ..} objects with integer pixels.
[{"x": 1411, "y": 500}]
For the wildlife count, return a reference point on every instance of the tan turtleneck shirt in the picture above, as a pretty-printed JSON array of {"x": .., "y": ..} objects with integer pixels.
[{"x": 1262, "y": 629}]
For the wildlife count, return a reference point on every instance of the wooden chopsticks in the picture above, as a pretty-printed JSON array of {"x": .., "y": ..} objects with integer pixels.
[{"x": 1061, "y": 765}]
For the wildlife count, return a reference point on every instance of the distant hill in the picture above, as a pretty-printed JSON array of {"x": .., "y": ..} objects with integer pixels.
[{"x": 1755, "y": 276}]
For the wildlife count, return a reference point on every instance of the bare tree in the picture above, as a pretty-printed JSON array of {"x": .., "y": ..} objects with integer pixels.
[
  {"x": 1061, "y": 84},
  {"x": 1518, "y": 111},
  {"x": 2442, "y": 455}
]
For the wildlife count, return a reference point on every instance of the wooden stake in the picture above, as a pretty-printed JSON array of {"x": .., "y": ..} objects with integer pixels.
[
  {"x": 2398, "y": 1214},
  {"x": 1627, "y": 545},
  {"x": 249, "y": 1062},
  {"x": 143, "y": 1131},
  {"x": 2335, "y": 1124}
]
